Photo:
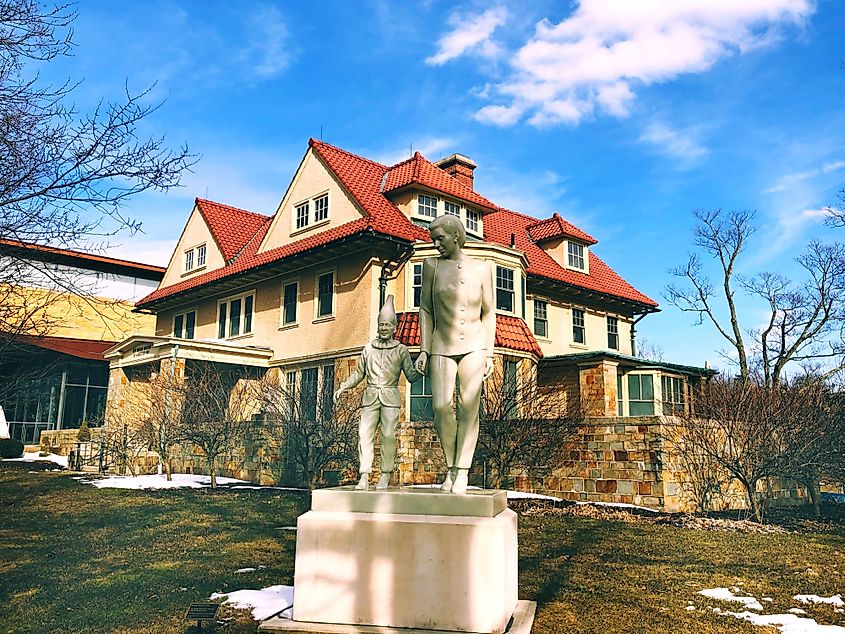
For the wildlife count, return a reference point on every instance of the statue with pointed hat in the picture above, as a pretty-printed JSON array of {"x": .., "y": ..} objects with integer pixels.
[{"x": 381, "y": 362}]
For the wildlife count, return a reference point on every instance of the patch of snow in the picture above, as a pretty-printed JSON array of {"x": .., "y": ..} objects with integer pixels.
[
  {"x": 32, "y": 456},
  {"x": 767, "y": 599},
  {"x": 797, "y": 611},
  {"x": 154, "y": 481},
  {"x": 522, "y": 495},
  {"x": 835, "y": 600},
  {"x": 786, "y": 623},
  {"x": 723, "y": 594},
  {"x": 242, "y": 570},
  {"x": 622, "y": 505},
  {"x": 690, "y": 608},
  {"x": 287, "y": 528},
  {"x": 264, "y": 603}
]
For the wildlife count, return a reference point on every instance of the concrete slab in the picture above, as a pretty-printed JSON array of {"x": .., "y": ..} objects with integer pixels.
[
  {"x": 410, "y": 501},
  {"x": 521, "y": 623}
]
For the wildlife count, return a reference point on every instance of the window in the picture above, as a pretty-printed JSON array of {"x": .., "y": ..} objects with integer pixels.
[
  {"x": 613, "y": 333},
  {"x": 509, "y": 408},
  {"x": 421, "y": 408},
  {"x": 451, "y": 208},
  {"x": 195, "y": 258},
  {"x": 189, "y": 260},
  {"x": 200, "y": 255},
  {"x": 619, "y": 409},
  {"x": 576, "y": 256},
  {"x": 327, "y": 393},
  {"x": 184, "y": 325},
  {"x": 308, "y": 394},
  {"x": 427, "y": 206},
  {"x": 290, "y": 387},
  {"x": 290, "y": 298},
  {"x": 541, "y": 321},
  {"x": 325, "y": 294},
  {"x": 234, "y": 316},
  {"x": 472, "y": 220},
  {"x": 321, "y": 208},
  {"x": 416, "y": 283},
  {"x": 302, "y": 212},
  {"x": 640, "y": 395},
  {"x": 674, "y": 401},
  {"x": 504, "y": 289},
  {"x": 578, "y": 335}
]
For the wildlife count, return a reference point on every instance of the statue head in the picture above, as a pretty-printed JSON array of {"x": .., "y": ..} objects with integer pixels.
[
  {"x": 452, "y": 225},
  {"x": 387, "y": 320}
]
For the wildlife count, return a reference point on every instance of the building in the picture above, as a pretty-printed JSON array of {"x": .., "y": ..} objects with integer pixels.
[
  {"x": 65, "y": 309},
  {"x": 297, "y": 293}
]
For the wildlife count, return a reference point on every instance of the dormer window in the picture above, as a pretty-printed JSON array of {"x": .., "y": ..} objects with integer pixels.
[
  {"x": 427, "y": 206},
  {"x": 576, "y": 256},
  {"x": 472, "y": 220},
  {"x": 189, "y": 260},
  {"x": 452, "y": 209},
  {"x": 200, "y": 255},
  {"x": 195, "y": 258},
  {"x": 303, "y": 210}
]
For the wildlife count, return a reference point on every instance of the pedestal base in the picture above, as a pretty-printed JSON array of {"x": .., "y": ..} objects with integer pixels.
[{"x": 413, "y": 571}]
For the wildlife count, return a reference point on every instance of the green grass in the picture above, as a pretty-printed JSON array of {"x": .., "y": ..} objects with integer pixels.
[{"x": 77, "y": 559}]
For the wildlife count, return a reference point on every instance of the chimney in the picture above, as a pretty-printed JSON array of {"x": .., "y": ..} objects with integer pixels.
[{"x": 459, "y": 166}]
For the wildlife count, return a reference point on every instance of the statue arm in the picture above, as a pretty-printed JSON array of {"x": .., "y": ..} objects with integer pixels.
[
  {"x": 488, "y": 310},
  {"x": 354, "y": 379},
  {"x": 408, "y": 367}
]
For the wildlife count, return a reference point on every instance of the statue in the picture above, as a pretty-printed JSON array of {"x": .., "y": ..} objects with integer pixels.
[
  {"x": 457, "y": 333},
  {"x": 381, "y": 362}
]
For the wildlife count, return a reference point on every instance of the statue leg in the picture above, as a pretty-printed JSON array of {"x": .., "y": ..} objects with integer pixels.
[
  {"x": 389, "y": 416},
  {"x": 470, "y": 373},
  {"x": 366, "y": 437},
  {"x": 443, "y": 371}
]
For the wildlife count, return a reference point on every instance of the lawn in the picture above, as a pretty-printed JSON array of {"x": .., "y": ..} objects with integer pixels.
[{"x": 74, "y": 558}]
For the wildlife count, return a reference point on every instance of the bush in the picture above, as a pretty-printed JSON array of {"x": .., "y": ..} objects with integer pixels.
[
  {"x": 10, "y": 448},
  {"x": 84, "y": 434}
]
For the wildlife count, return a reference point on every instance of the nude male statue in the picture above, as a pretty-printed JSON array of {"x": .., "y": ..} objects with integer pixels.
[
  {"x": 381, "y": 362},
  {"x": 457, "y": 333}
]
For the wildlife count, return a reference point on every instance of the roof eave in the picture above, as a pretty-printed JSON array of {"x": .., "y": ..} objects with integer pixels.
[{"x": 566, "y": 288}]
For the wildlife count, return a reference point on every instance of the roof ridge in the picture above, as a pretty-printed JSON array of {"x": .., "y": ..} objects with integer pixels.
[
  {"x": 314, "y": 142},
  {"x": 105, "y": 259},
  {"x": 246, "y": 211}
]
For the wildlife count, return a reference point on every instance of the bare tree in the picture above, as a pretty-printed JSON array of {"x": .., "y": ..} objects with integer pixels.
[
  {"x": 804, "y": 319},
  {"x": 313, "y": 434},
  {"x": 64, "y": 176},
  {"x": 216, "y": 408},
  {"x": 525, "y": 425}
]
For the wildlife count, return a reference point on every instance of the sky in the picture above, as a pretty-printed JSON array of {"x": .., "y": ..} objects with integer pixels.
[{"x": 623, "y": 117}]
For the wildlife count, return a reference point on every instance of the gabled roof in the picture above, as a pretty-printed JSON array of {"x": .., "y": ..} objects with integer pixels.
[
  {"x": 511, "y": 333},
  {"x": 501, "y": 225},
  {"x": 367, "y": 183},
  {"x": 417, "y": 170},
  {"x": 557, "y": 227},
  {"x": 231, "y": 228}
]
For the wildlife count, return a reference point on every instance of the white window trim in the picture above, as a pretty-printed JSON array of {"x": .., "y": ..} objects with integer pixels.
[
  {"x": 316, "y": 312},
  {"x": 416, "y": 208},
  {"x": 515, "y": 291},
  {"x": 548, "y": 321},
  {"x": 295, "y": 322},
  {"x": 184, "y": 314},
  {"x": 586, "y": 249},
  {"x": 409, "y": 285},
  {"x": 194, "y": 253},
  {"x": 618, "y": 347},
  {"x": 572, "y": 342},
  {"x": 311, "y": 223},
  {"x": 227, "y": 301}
]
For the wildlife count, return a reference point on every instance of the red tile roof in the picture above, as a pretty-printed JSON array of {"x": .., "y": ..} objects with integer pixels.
[
  {"x": 511, "y": 333},
  {"x": 230, "y": 227},
  {"x": 557, "y": 227},
  {"x": 366, "y": 181},
  {"x": 417, "y": 170},
  {"x": 501, "y": 225},
  {"x": 80, "y": 348}
]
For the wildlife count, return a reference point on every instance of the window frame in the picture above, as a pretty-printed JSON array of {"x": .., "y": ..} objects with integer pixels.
[
  {"x": 315, "y": 199},
  {"x": 421, "y": 394},
  {"x": 475, "y": 220},
  {"x": 184, "y": 327},
  {"x": 242, "y": 315},
  {"x": 505, "y": 291},
  {"x": 640, "y": 400},
  {"x": 672, "y": 407},
  {"x": 298, "y": 216},
  {"x": 456, "y": 209},
  {"x": 283, "y": 306},
  {"x": 544, "y": 319},
  {"x": 579, "y": 314},
  {"x": 414, "y": 290},
  {"x": 612, "y": 332},
  {"x": 421, "y": 206},
  {"x": 317, "y": 297},
  {"x": 202, "y": 249},
  {"x": 189, "y": 260},
  {"x": 581, "y": 256}
]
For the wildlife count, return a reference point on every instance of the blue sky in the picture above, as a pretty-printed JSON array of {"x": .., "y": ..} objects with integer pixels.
[{"x": 621, "y": 116}]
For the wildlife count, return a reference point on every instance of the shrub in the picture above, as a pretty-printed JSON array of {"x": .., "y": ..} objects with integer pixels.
[
  {"x": 84, "y": 434},
  {"x": 10, "y": 448}
]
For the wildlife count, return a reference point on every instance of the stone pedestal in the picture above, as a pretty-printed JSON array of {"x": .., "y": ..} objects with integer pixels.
[{"x": 412, "y": 558}]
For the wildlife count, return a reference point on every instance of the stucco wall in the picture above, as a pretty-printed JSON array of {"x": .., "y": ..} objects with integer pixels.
[{"x": 196, "y": 232}]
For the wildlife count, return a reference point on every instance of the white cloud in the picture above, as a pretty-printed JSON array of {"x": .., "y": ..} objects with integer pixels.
[
  {"x": 431, "y": 147},
  {"x": 470, "y": 34},
  {"x": 269, "y": 52},
  {"x": 597, "y": 57},
  {"x": 789, "y": 181},
  {"x": 833, "y": 166},
  {"x": 680, "y": 144}
]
